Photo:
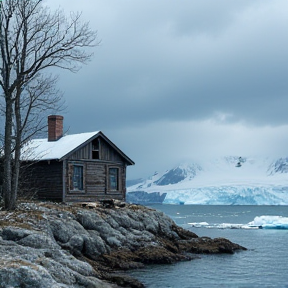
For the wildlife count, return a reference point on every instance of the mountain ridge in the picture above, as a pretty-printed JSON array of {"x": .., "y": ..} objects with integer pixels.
[{"x": 228, "y": 180}]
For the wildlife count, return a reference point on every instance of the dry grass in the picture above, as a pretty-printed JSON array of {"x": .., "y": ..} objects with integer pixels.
[
  {"x": 29, "y": 213},
  {"x": 20, "y": 218},
  {"x": 11, "y": 263},
  {"x": 4, "y": 224}
]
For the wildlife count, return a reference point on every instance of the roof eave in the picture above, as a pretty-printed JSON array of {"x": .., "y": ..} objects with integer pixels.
[
  {"x": 79, "y": 146},
  {"x": 127, "y": 159}
]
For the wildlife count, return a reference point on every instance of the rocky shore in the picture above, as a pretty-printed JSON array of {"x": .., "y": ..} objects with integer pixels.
[{"x": 48, "y": 245}]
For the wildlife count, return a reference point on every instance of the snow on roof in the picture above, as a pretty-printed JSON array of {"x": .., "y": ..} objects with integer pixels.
[{"x": 42, "y": 149}]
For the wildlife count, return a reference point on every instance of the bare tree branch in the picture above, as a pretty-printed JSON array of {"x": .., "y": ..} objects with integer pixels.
[{"x": 33, "y": 39}]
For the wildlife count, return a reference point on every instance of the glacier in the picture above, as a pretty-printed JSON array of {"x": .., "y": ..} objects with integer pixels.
[
  {"x": 229, "y": 195},
  {"x": 223, "y": 181}
]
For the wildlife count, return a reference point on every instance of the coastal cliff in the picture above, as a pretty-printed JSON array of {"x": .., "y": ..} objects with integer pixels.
[{"x": 48, "y": 245}]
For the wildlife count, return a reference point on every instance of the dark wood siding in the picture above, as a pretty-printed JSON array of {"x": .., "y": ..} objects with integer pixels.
[
  {"x": 94, "y": 159},
  {"x": 106, "y": 152},
  {"x": 96, "y": 172},
  {"x": 42, "y": 178},
  {"x": 96, "y": 181},
  {"x": 95, "y": 178},
  {"x": 83, "y": 153}
]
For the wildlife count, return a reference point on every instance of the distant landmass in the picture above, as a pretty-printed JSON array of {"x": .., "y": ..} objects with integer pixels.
[{"x": 224, "y": 181}]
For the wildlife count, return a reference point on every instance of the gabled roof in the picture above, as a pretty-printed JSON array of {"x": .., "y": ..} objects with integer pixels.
[{"x": 42, "y": 149}]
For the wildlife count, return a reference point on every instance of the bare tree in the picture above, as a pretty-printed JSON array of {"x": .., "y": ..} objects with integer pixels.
[{"x": 32, "y": 40}]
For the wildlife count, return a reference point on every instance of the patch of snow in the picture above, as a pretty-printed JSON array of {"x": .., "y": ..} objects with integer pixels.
[
  {"x": 42, "y": 149},
  {"x": 221, "y": 182}
]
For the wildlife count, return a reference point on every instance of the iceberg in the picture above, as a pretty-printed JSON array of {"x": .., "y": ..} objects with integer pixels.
[
  {"x": 270, "y": 222},
  {"x": 259, "y": 222},
  {"x": 199, "y": 225}
]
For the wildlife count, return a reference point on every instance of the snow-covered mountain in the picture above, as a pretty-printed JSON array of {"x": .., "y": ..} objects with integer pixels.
[{"x": 224, "y": 181}]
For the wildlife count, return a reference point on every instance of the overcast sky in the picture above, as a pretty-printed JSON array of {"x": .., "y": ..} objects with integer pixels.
[{"x": 179, "y": 80}]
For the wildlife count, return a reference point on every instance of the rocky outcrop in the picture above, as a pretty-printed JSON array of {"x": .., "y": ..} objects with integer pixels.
[
  {"x": 144, "y": 198},
  {"x": 56, "y": 245}
]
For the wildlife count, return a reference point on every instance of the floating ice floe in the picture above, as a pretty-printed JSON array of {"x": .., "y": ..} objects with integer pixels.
[
  {"x": 270, "y": 222},
  {"x": 222, "y": 226},
  {"x": 200, "y": 224},
  {"x": 259, "y": 222}
]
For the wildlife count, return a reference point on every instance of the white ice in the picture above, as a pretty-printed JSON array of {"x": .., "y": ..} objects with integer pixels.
[
  {"x": 270, "y": 222},
  {"x": 221, "y": 183},
  {"x": 259, "y": 222}
]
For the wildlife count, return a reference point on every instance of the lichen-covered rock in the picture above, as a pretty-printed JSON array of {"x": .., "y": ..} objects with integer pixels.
[
  {"x": 15, "y": 233},
  {"x": 25, "y": 274},
  {"x": 39, "y": 240},
  {"x": 54, "y": 245},
  {"x": 94, "y": 245},
  {"x": 64, "y": 229}
]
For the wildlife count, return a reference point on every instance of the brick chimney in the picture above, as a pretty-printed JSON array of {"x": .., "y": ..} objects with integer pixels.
[{"x": 55, "y": 127}]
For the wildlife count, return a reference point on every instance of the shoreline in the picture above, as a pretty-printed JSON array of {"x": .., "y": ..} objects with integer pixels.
[{"x": 92, "y": 245}]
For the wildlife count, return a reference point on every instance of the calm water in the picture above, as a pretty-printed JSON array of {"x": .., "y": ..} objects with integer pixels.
[{"x": 265, "y": 264}]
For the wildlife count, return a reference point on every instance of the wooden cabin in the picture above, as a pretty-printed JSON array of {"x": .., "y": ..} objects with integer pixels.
[{"x": 79, "y": 167}]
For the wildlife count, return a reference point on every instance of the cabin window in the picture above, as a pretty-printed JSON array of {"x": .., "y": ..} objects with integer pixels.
[
  {"x": 78, "y": 177},
  {"x": 95, "y": 149},
  {"x": 95, "y": 154},
  {"x": 114, "y": 178}
]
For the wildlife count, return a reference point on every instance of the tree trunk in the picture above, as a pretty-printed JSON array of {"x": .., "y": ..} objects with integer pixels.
[
  {"x": 17, "y": 150},
  {"x": 32, "y": 39},
  {"x": 7, "y": 173}
]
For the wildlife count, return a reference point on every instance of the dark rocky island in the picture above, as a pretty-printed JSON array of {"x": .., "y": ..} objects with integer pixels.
[{"x": 47, "y": 245}]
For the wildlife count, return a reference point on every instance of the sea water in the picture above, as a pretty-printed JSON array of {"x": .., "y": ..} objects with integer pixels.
[{"x": 264, "y": 264}]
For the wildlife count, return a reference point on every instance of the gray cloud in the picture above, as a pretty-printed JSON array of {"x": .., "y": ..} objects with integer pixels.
[{"x": 195, "y": 62}]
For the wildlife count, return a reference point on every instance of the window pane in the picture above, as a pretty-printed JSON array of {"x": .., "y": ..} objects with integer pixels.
[
  {"x": 113, "y": 178},
  {"x": 78, "y": 177}
]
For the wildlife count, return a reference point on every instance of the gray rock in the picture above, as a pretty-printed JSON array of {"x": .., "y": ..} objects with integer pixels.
[
  {"x": 124, "y": 220},
  {"x": 89, "y": 219},
  {"x": 64, "y": 229},
  {"x": 15, "y": 233},
  {"x": 94, "y": 245},
  {"x": 25, "y": 274},
  {"x": 38, "y": 240},
  {"x": 117, "y": 238},
  {"x": 37, "y": 261},
  {"x": 76, "y": 242}
]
